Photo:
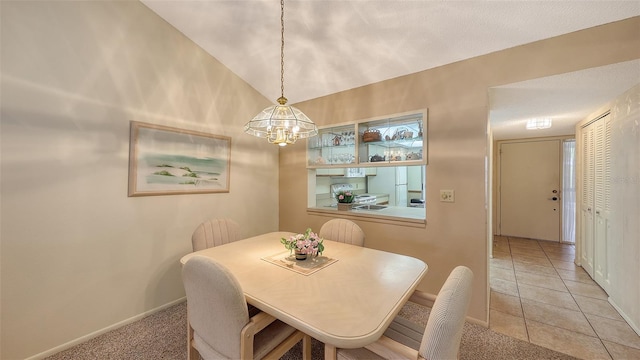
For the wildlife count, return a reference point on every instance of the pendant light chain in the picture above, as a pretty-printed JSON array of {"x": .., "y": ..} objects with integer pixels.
[
  {"x": 282, "y": 54},
  {"x": 281, "y": 124}
]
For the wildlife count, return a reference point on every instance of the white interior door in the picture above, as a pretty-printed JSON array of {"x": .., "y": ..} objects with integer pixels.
[
  {"x": 603, "y": 205},
  {"x": 586, "y": 206},
  {"x": 530, "y": 189},
  {"x": 596, "y": 199}
]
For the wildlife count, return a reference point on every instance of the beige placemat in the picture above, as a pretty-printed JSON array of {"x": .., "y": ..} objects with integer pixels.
[{"x": 305, "y": 267}]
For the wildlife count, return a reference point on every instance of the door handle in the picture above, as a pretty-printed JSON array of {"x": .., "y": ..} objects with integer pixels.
[{"x": 555, "y": 198}]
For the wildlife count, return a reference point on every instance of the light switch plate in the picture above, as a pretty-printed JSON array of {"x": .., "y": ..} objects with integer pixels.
[{"x": 447, "y": 196}]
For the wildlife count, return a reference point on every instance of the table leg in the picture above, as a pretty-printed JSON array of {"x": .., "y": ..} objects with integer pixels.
[
  {"x": 330, "y": 352},
  {"x": 306, "y": 347}
]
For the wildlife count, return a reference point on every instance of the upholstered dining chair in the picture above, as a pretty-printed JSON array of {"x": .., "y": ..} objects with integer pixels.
[
  {"x": 442, "y": 335},
  {"x": 215, "y": 232},
  {"x": 219, "y": 326},
  {"x": 342, "y": 230}
]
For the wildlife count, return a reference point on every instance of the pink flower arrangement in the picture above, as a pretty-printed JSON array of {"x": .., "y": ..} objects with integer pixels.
[
  {"x": 308, "y": 243},
  {"x": 345, "y": 197}
]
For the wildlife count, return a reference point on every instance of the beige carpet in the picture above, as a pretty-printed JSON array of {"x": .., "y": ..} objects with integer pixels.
[{"x": 163, "y": 336}]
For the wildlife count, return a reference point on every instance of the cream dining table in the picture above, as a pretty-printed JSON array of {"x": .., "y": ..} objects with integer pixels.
[{"x": 347, "y": 303}]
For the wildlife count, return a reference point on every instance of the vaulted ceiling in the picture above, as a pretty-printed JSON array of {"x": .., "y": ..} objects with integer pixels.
[{"x": 331, "y": 46}]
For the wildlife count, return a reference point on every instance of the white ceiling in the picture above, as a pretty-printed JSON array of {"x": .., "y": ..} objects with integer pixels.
[
  {"x": 331, "y": 46},
  {"x": 566, "y": 99}
]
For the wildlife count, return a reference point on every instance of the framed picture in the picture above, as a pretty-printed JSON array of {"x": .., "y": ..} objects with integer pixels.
[{"x": 166, "y": 161}]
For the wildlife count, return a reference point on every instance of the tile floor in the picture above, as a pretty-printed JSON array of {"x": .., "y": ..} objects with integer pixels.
[{"x": 539, "y": 295}]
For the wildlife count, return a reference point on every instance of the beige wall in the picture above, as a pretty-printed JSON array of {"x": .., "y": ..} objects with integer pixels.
[
  {"x": 77, "y": 254},
  {"x": 623, "y": 241},
  {"x": 456, "y": 96}
]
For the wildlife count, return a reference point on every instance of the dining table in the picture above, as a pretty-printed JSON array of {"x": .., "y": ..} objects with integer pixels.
[{"x": 345, "y": 298}]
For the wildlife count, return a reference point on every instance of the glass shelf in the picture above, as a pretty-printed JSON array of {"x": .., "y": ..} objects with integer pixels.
[
  {"x": 333, "y": 146},
  {"x": 395, "y": 139},
  {"x": 401, "y": 140}
]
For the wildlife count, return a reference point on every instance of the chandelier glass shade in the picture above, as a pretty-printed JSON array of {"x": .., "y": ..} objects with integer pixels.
[{"x": 281, "y": 124}]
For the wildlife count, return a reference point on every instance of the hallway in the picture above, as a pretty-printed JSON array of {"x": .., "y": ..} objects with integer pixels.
[{"x": 539, "y": 295}]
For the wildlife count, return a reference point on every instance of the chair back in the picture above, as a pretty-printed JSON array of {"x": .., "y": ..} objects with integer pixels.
[
  {"x": 216, "y": 307},
  {"x": 215, "y": 232},
  {"x": 443, "y": 333},
  {"x": 342, "y": 230}
]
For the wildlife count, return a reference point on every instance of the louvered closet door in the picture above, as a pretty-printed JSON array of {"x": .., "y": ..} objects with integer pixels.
[
  {"x": 596, "y": 198},
  {"x": 602, "y": 199},
  {"x": 588, "y": 174}
]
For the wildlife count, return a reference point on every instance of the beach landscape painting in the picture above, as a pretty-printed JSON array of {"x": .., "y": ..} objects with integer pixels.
[{"x": 165, "y": 161}]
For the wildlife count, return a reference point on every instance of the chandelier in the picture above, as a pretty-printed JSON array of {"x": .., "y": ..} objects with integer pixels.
[{"x": 281, "y": 124}]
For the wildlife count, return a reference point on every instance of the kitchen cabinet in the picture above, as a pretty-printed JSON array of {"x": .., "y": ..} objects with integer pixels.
[
  {"x": 387, "y": 141},
  {"x": 334, "y": 146},
  {"x": 330, "y": 172},
  {"x": 346, "y": 172},
  {"x": 394, "y": 140}
]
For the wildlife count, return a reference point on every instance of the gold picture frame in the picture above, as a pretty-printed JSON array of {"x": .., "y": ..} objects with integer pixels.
[{"x": 167, "y": 161}]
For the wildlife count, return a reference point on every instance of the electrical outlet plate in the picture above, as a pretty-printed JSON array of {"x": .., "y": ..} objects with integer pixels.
[{"x": 447, "y": 196}]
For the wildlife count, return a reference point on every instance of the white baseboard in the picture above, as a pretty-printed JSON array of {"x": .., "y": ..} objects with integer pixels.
[
  {"x": 426, "y": 299},
  {"x": 422, "y": 298},
  {"x": 635, "y": 327},
  {"x": 97, "y": 333}
]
